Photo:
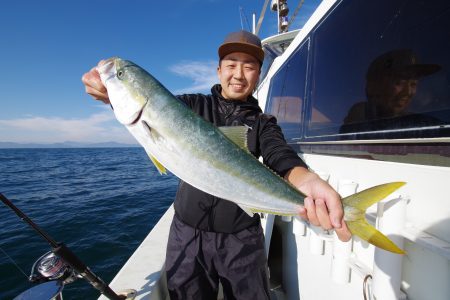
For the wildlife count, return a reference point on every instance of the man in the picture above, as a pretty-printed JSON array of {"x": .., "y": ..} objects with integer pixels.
[
  {"x": 212, "y": 239},
  {"x": 391, "y": 83}
]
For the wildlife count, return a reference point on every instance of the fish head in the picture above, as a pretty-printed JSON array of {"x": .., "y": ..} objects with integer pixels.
[{"x": 122, "y": 80}]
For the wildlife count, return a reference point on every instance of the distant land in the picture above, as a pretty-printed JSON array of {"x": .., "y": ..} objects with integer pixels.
[{"x": 11, "y": 145}]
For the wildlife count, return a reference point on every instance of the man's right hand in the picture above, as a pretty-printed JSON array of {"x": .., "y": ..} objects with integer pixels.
[{"x": 94, "y": 86}]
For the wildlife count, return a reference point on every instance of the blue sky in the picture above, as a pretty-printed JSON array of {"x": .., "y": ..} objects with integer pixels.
[{"x": 46, "y": 46}]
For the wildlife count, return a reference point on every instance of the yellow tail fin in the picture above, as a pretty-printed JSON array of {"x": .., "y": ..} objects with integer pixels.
[{"x": 355, "y": 208}]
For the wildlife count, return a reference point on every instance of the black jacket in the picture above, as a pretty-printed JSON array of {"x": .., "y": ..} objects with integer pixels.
[{"x": 206, "y": 212}]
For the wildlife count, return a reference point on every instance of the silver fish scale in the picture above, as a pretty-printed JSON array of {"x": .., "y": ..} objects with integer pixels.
[{"x": 198, "y": 153}]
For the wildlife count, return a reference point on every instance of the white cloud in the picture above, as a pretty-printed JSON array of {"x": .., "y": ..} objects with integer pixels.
[
  {"x": 102, "y": 126},
  {"x": 202, "y": 73},
  {"x": 99, "y": 127}
]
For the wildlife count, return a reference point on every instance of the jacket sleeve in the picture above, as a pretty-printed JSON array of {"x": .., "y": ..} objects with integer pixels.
[
  {"x": 191, "y": 100},
  {"x": 276, "y": 153},
  {"x": 185, "y": 99}
]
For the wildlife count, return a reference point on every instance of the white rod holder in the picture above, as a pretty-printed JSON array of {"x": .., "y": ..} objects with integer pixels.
[
  {"x": 299, "y": 227},
  {"x": 286, "y": 219},
  {"x": 340, "y": 267},
  {"x": 316, "y": 242},
  {"x": 387, "y": 267}
]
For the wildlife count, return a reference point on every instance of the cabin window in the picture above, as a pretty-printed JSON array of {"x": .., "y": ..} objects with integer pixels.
[
  {"x": 287, "y": 93},
  {"x": 269, "y": 56},
  {"x": 381, "y": 66}
]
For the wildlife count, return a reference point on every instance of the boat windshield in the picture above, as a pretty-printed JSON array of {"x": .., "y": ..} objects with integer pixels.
[
  {"x": 273, "y": 47},
  {"x": 269, "y": 56}
]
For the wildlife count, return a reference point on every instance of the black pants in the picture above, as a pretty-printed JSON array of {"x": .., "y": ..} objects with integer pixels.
[{"x": 196, "y": 260}]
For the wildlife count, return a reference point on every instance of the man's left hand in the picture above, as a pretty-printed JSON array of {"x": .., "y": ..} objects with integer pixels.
[{"x": 323, "y": 205}]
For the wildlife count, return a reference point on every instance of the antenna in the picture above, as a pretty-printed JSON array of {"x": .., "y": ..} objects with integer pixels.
[
  {"x": 291, "y": 20},
  {"x": 261, "y": 17},
  {"x": 243, "y": 17}
]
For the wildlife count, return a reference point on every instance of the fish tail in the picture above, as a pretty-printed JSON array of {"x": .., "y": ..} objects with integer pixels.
[{"x": 355, "y": 208}]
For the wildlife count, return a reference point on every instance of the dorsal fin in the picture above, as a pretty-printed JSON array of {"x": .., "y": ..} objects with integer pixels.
[{"x": 237, "y": 134}]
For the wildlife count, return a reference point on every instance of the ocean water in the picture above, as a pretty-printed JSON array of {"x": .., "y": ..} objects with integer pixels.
[{"x": 100, "y": 202}]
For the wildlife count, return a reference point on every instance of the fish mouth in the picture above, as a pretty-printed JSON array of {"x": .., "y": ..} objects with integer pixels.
[{"x": 106, "y": 69}]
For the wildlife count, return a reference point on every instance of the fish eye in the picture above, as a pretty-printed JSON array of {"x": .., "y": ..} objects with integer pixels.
[{"x": 120, "y": 74}]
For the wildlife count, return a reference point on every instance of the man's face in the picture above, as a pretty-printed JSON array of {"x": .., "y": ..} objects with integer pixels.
[
  {"x": 397, "y": 94},
  {"x": 238, "y": 74}
]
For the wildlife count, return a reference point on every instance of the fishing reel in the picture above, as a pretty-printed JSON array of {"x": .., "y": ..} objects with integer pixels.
[
  {"x": 58, "y": 267},
  {"x": 51, "y": 274},
  {"x": 50, "y": 267}
]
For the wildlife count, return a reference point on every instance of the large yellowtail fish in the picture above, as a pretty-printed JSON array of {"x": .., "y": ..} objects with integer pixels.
[{"x": 213, "y": 159}]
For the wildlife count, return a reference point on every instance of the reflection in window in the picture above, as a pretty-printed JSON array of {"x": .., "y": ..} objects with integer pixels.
[
  {"x": 391, "y": 73},
  {"x": 287, "y": 92},
  {"x": 391, "y": 85}
]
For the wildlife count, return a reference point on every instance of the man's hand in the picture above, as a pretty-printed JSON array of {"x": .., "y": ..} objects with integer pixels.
[
  {"x": 323, "y": 205},
  {"x": 94, "y": 86}
]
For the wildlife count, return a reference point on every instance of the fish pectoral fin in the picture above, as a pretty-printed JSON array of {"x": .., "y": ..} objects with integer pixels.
[
  {"x": 158, "y": 165},
  {"x": 247, "y": 210},
  {"x": 151, "y": 132},
  {"x": 237, "y": 134}
]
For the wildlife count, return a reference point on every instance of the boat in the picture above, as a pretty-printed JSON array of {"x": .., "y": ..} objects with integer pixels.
[
  {"x": 316, "y": 82},
  {"x": 312, "y": 78},
  {"x": 311, "y": 88}
]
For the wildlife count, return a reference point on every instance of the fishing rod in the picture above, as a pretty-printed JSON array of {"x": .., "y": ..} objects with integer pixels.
[{"x": 66, "y": 255}]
